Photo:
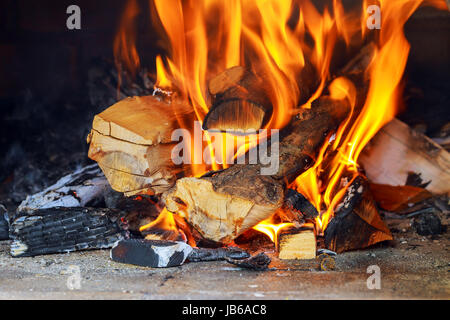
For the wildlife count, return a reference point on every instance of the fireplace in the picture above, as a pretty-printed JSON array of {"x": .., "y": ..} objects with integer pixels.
[{"x": 266, "y": 138}]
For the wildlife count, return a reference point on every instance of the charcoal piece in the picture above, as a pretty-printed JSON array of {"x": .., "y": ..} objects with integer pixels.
[
  {"x": 4, "y": 223},
  {"x": 297, "y": 202},
  {"x": 260, "y": 262},
  {"x": 60, "y": 230},
  {"x": 427, "y": 224},
  {"x": 415, "y": 180},
  {"x": 151, "y": 253},
  {"x": 204, "y": 254}
]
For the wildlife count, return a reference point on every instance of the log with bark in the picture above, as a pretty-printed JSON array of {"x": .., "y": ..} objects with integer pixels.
[
  {"x": 239, "y": 101},
  {"x": 222, "y": 206},
  {"x": 132, "y": 143},
  {"x": 241, "y": 98}
]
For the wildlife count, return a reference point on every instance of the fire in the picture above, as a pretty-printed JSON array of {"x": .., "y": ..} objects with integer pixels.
[
  {"x": 278, "y": 40},
  {"x": 125, "y": 51},
  {"x": 272, "y": 230},
  {"x": 168, "y": 227},
  {"x": 386, "y": 71}
]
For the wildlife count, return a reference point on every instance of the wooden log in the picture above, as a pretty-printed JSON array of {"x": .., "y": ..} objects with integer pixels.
[
  {"x": 222, "y": 206},
  {"x": 81, "y": 188},
  {"x": 397, "y": 150},
  {"x": 357, "y": 223},
  {"x": 131, "y": 141},
  {"x": 296, "y": 202},
  {"x": 297, "y": 243},
  {"x": 61, "y": 230},
  {"x": 239, "y": 101}
]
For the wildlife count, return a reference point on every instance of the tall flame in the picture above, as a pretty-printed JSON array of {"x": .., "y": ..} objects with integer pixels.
[{"x": 278, "y": 40}]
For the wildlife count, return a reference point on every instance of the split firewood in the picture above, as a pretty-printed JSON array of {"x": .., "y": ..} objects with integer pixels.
[
  {"x": 61, "y": 230},
  {"x": 297, "y": 243},
  {"x": 81, "y": 188},
  {"x": 357, "y": 223},
  {"x": 397, "y": 150},
  {"x": 222, "y": 206},
  {"x": 239, "y": 101},
  {"x": 131, "y": 141},
  {"x": 164, "y": 253},
  {"x": 241, "y": 98}
]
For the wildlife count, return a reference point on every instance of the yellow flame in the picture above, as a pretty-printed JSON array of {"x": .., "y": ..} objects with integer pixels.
[{"x": 272, "y": 230}]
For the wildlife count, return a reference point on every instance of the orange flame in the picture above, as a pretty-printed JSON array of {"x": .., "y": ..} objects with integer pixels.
[
  {"x": 125, "y": 52},
  {"x": 386, "y": 71},
  {"x": 272, "y": 230},
  {"x": 276, "y": 39}
]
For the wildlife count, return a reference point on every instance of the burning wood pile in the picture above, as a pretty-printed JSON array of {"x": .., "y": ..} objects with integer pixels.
[{"x": 260, "y": 124}]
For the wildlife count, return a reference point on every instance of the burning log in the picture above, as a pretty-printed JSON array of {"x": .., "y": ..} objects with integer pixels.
[
  {"x": 295, "y": 201},
  {"x": 397, "y": 150},
  {"x": 297, "y": 243},
  {"x": 242, "y": 196},
  {"x": 61, "y": 230},
  {"x": 240, "y": 101},
  {"x": 357, "y": 223},
  {"x": 164, "y": 254},
  {"x": 131, "y": 142}
]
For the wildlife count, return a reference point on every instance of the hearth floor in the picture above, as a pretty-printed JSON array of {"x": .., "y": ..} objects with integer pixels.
[{"x": 411, "y": 270}]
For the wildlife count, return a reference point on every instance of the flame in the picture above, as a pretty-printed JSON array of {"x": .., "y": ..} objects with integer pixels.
[
  {"x": 168, "y": 226},
  {"x": 125, "y": 52},
  {"x": 272, "y": 230},
  {"x": 277, "y": 40},
  {"x": 381, "y": 105},
  {"x": 165, "y": 221},
  {"x": 267, "y": 36}
]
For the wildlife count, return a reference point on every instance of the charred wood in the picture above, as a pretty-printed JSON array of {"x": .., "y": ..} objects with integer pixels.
[
  {"x": 357, "y": 223},
  {"x": 209, "y": 254},
  {"x": 297, "y": 202},
  {"x": 259, "y": 262},
  {"x": 165, "y": 253},
  {"x": 60, "y": 230}
]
